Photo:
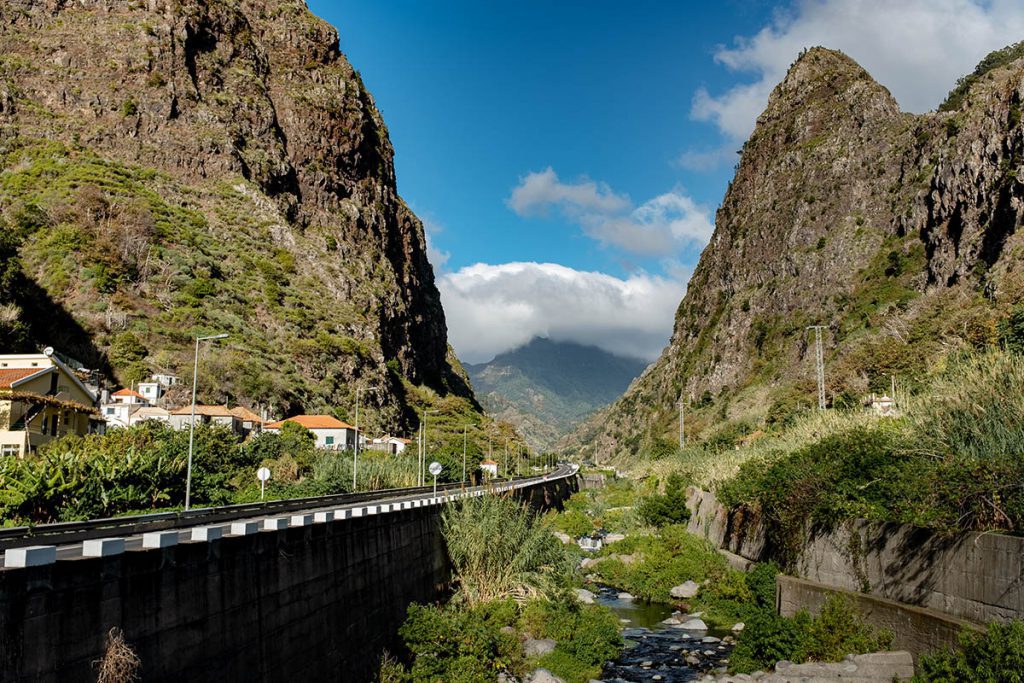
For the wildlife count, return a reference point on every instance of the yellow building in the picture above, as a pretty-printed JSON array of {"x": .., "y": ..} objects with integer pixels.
[{"x": 40, "y": 400}]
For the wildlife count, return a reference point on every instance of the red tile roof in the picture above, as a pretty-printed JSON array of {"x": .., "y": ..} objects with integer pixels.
[
  {"x": 312, "y": 422},
  {"x": 128, "y": 392},
  {"x": 246, "y": 415},
  {"x": 8, "y": 376}
]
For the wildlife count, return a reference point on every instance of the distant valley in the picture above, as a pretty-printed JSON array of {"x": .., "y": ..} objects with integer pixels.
[{"x": 546, "y": 388}]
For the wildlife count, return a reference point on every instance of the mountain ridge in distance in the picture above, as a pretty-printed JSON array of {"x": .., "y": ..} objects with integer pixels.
[{"x": 547, "y": 387}]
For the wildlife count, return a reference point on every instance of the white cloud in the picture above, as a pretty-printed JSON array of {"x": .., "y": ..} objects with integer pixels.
[
  {"x": 662, "y": 225},
  {"x": 539, "y": 191},
  {"x": 915, "y": 48},
  {"x": 494, "y": 308}
]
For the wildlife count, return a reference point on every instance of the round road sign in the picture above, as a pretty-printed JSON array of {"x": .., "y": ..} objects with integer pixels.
[
  {"x": 435, "y": 468},
  {"x": 263, "y": 474}
]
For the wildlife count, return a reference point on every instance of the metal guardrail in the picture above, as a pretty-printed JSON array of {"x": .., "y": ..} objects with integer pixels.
[{"x": 62, "y": 533}]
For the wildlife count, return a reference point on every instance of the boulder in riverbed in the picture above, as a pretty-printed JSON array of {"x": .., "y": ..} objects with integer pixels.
[
  {"x": 584, "y": 596},
  {"x": 542, "y": 676},
  {"x": 534, "y": 647},
  {"x": 685, "y": 591},
  {"x": 694, "y": 625}
]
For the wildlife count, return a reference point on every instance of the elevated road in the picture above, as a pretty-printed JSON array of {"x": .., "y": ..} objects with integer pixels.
[{"x": 48, "y": 543}]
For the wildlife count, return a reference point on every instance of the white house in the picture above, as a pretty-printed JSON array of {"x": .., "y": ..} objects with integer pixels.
[
  {"x": 41, "y": 398},
  {"x": 331, "y": 433},
  {"x": 118, "y": 415},
  {"x": 157, "y": 385},
  {"x": 129, "y": 397},
  {"x": 489, "y": 468},
  {"x": 152, "y": 391},
  {"x": 395, "y": 445}
]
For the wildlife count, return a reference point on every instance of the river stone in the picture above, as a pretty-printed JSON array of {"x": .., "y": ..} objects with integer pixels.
[
  {"x": 710, "y": 639},
  {"x": 584, "y": 596},
  {"x": 564, "y": 538},
  {"x": 542, "y": 676},
  {"x": 589, "y": 562},
  {"x": 685, "y": 591},
  {"x": 738, "y": 627},
  {"x": 534, "y": 647},
  {"x": 625, "y": 596},
  {"x": 614, "y": 538},
  {"x": 694, "y": 625},
  {"x": 626, "y": 559},
  {"x": 671, "y": 621}
]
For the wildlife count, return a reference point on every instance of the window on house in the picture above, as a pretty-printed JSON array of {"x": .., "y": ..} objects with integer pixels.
[
  {"x": 329, "y": 440},
  {"x": 9, "y": 450},
  {"x": 110, "y": 411}
]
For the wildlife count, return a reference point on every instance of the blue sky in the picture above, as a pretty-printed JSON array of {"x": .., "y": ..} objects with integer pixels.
[{"x": 567, "y": 157}]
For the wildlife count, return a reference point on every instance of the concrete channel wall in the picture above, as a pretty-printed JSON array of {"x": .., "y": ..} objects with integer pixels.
[
  {"x": 971, "y": 577},
  {"x": 315, "y": 601}
]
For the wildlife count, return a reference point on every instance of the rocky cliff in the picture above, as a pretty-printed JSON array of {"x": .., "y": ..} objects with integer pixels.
[
  {"x": 897, "y": 232},
  {"x": 172, "y": 167}
]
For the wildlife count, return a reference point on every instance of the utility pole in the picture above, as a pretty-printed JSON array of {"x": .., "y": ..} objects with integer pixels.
[
  {"x": 819, "y": 353},
  {"x": 682, "y": 423}
]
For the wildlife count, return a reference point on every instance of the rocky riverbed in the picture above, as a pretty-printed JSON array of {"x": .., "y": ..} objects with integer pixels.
[{"x": 657, "y": 647}]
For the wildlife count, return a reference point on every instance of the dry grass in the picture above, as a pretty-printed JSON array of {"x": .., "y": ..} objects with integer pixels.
[
  {"x": 119, "y": 664},
  {"x": 708, "y": 469}
]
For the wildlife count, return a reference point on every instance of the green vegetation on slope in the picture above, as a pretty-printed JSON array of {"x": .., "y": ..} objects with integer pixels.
[{"x": 993, "y": 60}]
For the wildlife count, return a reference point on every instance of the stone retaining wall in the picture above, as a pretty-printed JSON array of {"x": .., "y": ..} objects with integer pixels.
[
  {"x": 915, "y": 629},
  {"x": 973, "y": 576}
]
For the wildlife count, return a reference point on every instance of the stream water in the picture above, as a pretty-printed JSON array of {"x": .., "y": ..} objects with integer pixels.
[{"x": 656, "y": 651}]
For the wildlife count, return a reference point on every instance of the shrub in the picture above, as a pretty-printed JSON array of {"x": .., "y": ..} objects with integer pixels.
[
  {"x": 994, "y": 656},
  {"x": 768, "y": 638},
  {"x": 838, "y": 631},
  {"x": 461, "y": 645},
  {"x": 761, "y": 584},
  {"x": 587, "y": 636},
  {"x": 666, "y": 559},
  {"x": 667, "y": 508},
  {"x": 500, "y": 549}
]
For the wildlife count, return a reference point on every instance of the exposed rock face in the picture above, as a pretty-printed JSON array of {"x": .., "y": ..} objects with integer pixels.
[
  {"x": 895, "y": 231},
  {"x": 245, "y": 114}
]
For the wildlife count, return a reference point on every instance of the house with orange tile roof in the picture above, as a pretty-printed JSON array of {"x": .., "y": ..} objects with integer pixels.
[
  {"x": 330, "y": 433},
  {"x": 489, "y": 467},
  {"x": 128, "y": 396},
  {"x": 241, "y": 421},
  {"x": 41, "y": 399},
  {"x": 122, "y": 404}
]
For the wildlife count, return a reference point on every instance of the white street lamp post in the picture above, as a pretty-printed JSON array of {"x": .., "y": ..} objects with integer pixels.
[{"x": 192, "y": 424}]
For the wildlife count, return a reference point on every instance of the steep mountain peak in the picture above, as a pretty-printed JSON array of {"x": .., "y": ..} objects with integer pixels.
[
  {"x": 823, "y": 93},
  {"x": 899, "y": 233},
  {"x": 173, "y": 166}
]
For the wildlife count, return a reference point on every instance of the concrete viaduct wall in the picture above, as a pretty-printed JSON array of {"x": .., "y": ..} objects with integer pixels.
[{"x": 316, "y": 602}]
